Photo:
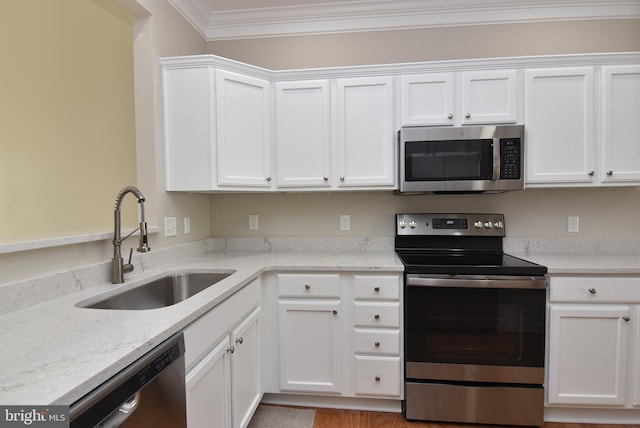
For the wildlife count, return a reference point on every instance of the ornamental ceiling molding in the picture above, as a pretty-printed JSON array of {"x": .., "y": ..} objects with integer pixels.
[{"x": 376, "y": 15}]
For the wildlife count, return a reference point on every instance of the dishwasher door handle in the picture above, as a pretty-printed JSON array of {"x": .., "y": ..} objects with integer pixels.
[
  {"x": 476, "y": 281},
  {"x": 123, "y": 413}
]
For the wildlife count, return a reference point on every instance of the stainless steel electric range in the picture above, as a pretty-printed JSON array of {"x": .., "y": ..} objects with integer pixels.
[{"x": 474, "y": 322}]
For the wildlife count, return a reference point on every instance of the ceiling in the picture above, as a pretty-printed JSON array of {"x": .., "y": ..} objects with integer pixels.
[{"x": 237, "y": 19}]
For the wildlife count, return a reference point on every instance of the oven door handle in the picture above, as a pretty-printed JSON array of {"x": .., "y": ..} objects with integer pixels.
[{"x": 475, "y": 281}]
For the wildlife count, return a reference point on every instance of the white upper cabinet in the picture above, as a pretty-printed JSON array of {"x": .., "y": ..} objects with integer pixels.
[
  {"x": 559, "y": 131},
  {"x": 303, "y": 134},
  {"x": 243, "y": 130},
  {"x": 467, "y": 98},
  {"x": 365, "y": 132},
  {"x": 620, "y": 115},
  {"x": 189, "y": 136}
]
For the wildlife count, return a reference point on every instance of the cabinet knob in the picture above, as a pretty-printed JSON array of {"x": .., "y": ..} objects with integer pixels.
[
  {"x": 468, "y": 115},
  {"x": 239, "y": 340},
  {"x": 325, "y": 178},
  {"x": 609, "y": 173},
  {"x": 377, "y": 316},
  {"x": 377, "y": 289},
  {"x": 231, "y": 349},
  {"x": 334, "y": 312},
  {"x": 626, "y": 318},
  {"x": 268, "y": 179},
  {"x": 592, "y": 173},
  {"x": 450, "y": 116},
  {"x": 592, "y": 291},
  {"x": 376, "y": 344},
  {"x": 307, "y": 286},
  {"x": 341, "y": 178},
  {"x": 378, "y": 378}
]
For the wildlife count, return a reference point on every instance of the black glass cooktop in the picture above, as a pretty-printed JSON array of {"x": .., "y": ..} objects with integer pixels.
[{"x": 464, "y": 263}]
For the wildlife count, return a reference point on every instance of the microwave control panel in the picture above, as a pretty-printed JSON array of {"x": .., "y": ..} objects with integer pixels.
[{"x": 510, "y": 158}]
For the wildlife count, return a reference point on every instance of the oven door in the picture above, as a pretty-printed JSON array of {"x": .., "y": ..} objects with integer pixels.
[{"x": 470, "y": 328}]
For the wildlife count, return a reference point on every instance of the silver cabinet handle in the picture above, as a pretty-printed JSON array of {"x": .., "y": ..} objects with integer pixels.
[
  {"x": 377, "y": 316},
  {"x": 376, "y": 344},
  {"x": 468, "y": 115},
  {"x": 450, "y": 116},
  {"x": 341, "y": 178},
  {"x": 268, "y": 179},
  {"x": 240, "y": 340},
  {"x": 592, "y": 173},
  {"x": 325, "y": 178},
  {"x": 376, "y": 289},
  {"x": 334, "y": 312},
  {"x": 307, "y": 286},
  {"x": 231, "y": 349},
  {"x": 626, "y": 318},
  {"x": 609, "y": 173},
  {"x": 592, "y": 291},
  {"x": 378, "y": 379}
]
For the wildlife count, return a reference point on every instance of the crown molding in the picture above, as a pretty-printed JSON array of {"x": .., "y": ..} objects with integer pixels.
[{"x": 377, "y": 15}]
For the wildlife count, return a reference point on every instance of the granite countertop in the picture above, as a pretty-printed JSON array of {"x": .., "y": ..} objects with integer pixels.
[{"x": 55, "y": 352}]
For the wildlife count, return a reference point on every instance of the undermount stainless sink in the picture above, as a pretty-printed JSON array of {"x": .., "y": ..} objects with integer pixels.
[{"x": 161, "y": 292}]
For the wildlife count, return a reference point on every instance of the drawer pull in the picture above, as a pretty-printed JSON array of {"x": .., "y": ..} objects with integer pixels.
[
  {"x": 231, "y": 349},
  {"x": 377, "y": 378},
  {"x": 592, "y": 291},
  {"x": 376, "y": 344},
  {"x": 377, "y": 289},
  {"x": 334, "y": 312},
  {"x": 377, "y": 316},
  {"x": 626, "y": 318},
  {"x": 239, "y": 340},
  {"x": 307, "y": 286}
]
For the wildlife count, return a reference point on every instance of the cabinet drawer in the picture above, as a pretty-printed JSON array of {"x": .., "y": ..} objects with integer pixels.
[
  {"x": 377, "y": 314},
  {"x": 308, "y": 285},
  {"x": 376, "y": 287},
  {"x": 378, "y": 376},
  {"x": 377, "y": 342},
  {"x": 594, "y": 289}
]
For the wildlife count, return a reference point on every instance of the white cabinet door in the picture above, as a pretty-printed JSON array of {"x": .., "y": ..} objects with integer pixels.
[
  {"x": 245, "y": 369},
  {"x": 559, "y": 119},
  {"x": 489, "y": 97},
  {"x": 588, "y": 352},
  {"x": 208, "y": 389},
  {"x": 620, "y": 114},
  {"x": 243, "y": 131},
  {"x": 309, "y": 346},
  {"x": 427, "y": 99},
  {"x": 303, "y": 134},
  {"x": 365, "y": 132},
  {"x": 188, "y": 134}
]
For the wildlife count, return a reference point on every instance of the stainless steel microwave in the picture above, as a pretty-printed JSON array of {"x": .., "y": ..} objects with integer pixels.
[{"x": 461, "y": 159}]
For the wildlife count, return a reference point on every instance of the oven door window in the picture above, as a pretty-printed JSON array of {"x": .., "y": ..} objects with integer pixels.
[
  {"x": 449, "y": 160},
  {"x": 490, "y": 326}
]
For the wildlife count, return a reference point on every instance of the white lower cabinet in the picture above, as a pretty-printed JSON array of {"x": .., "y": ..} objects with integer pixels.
[
  {"x": 338, "y": 334},
  {"x": 223, "y": 359},
  {"x": 593, "y": 342}
]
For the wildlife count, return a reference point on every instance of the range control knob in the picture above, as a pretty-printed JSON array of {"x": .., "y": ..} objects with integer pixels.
[
  {"x": 413, "y": 224},
  {"x": 488, "y": 225},
  {"x": 478, "y": 224},
  {"x": 402, "y": 224},
  {"x": 498, "y": 225}
]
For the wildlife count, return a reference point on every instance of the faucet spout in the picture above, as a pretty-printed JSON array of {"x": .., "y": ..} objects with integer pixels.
[{"x": 118, "y": 267}]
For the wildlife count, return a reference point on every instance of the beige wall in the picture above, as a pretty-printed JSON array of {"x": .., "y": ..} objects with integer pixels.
[
  {"x": 530, "y": 213},
  {"x": 434, "y": 44},
  {"x": 67, "y": 142}
]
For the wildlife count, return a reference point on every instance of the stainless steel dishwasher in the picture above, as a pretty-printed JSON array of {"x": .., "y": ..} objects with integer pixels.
[{"x": 148, "y": 393}]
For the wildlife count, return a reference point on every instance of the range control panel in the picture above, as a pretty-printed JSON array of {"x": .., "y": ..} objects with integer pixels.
[{"x": 450, "y": 224}]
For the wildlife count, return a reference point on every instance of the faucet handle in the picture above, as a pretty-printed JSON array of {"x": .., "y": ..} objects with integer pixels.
[{"x": 130, "y": 254}]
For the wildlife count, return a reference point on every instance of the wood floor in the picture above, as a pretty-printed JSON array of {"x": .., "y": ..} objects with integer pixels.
[{"x": 334, "y": 418}]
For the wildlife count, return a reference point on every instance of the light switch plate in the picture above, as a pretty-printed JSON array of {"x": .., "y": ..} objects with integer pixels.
[
  {"x": 573, "y": 224},
  {"x": 187, "y": 225},
  {"x": 345, "y": 222},
  {"x": 170, "y": 226},
  {"x": 253, "y": 222}
]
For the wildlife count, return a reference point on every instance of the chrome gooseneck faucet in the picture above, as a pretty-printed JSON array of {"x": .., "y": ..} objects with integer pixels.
[{"x": 118, "y": 268}]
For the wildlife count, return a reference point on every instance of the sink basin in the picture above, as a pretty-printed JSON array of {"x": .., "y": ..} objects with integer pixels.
[{"x": 161, "y": 292}]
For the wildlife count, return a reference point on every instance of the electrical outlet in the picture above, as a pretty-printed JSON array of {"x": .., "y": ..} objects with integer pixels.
[
  {"x": 345, "y": 222},
  {"x": 253, "y": 222},
  {"x": 170, "y": 226},
  {"x": 187, "y": 225},
  {"x": 573, "y": 224}
]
